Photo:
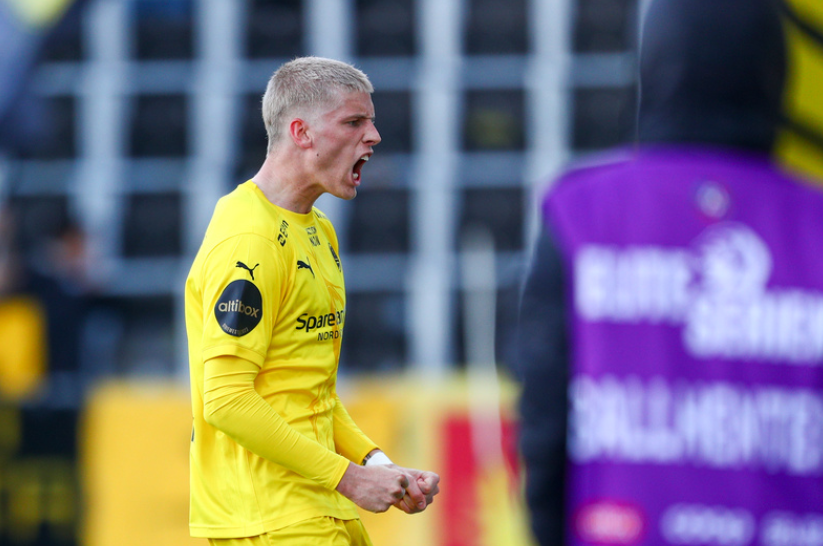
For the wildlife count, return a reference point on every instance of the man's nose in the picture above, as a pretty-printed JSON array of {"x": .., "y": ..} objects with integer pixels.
[{"x": 372, "y": 136}]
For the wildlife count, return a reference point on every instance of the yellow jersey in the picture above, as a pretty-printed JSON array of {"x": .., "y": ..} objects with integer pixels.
[{"x": 267, "y": 286}]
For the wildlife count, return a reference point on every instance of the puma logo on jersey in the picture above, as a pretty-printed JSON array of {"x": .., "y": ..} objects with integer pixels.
[
  {"x": 247, "y": 268},
  {"x": 305, "y": 265}
]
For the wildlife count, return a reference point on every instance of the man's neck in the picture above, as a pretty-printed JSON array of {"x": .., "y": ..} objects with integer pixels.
[{"x": 283, "y": 183}]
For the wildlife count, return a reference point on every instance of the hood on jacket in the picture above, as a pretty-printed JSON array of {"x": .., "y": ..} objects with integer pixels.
[{"x": 711, "y": 71}]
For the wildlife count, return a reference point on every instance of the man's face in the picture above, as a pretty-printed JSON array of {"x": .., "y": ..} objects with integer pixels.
[{"x": 343, "y": 138}]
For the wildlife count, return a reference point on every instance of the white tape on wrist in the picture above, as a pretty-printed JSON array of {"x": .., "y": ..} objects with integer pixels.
[{"x": 378, "y": 458}]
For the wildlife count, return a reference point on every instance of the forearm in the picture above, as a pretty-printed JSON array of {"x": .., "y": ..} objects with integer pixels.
[
  {"x": 233, "y": 406},
  {"x": 349, "y": 440}
]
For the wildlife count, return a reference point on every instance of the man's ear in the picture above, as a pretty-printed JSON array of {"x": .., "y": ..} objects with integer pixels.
[{"x": 299, "y": 133}]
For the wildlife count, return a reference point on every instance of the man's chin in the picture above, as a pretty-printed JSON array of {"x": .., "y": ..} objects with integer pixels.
[{"x": 347, "y": 193}]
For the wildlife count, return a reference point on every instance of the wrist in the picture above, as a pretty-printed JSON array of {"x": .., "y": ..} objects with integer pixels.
[{"x": 376, "y": 457}]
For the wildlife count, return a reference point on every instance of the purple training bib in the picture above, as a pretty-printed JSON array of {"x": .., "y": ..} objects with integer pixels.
[{"x": 696, "y": 308}]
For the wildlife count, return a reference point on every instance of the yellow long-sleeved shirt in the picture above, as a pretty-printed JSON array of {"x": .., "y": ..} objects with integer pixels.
[{"x": 265, "y": 308}]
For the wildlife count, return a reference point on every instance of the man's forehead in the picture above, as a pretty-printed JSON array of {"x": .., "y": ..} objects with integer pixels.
[{"x": 352, "y": 103}]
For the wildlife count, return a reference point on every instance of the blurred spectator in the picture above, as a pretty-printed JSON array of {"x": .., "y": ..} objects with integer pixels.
[
  {"x": 46, "y": 295},
  {"x": 43, "y": 304},
  {"x": 57, "y": 277},
  {"x": 670, "y": 339},
  {"x": 22, "y": 324}
]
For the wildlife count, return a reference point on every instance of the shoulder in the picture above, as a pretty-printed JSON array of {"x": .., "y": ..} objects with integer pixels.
[
  {"x": 325, "y": 224},
  {"x": 599, "y": 165},
  {"x": 244, "y": 212},
  {"x": 591, "y": 170},
  {"x": 241, "y": 221},
  {"x": 321, "y": 218}
]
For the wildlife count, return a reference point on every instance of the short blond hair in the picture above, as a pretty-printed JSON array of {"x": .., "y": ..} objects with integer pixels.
[{"x": 307, "y": 83}]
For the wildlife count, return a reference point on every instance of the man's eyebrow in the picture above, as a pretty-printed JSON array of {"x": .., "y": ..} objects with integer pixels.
[{"x": 360, "y": 116}]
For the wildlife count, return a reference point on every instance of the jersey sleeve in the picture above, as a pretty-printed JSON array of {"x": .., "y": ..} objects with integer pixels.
[
  {"x": 233, "y": 406},
  {"x": 242, "y": 286},
  {"x": 349, "y": 440}
]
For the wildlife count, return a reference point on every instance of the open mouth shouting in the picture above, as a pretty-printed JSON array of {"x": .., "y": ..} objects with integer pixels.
[{"x": 358, "y": 167}]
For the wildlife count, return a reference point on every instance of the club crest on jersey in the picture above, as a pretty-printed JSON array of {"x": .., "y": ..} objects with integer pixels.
[
  {"x": 239, "y": 308},
  {"x": 311, "y": 231}
]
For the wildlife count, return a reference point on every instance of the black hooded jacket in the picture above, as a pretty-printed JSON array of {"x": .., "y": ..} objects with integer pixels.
[{"x": 711, "y": 73}]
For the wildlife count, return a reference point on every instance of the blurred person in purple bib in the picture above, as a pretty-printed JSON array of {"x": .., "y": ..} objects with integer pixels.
[{"x": 670, "y": 336}]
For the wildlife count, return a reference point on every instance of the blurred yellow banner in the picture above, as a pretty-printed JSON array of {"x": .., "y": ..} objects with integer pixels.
[{"x": 134, "y": 457}]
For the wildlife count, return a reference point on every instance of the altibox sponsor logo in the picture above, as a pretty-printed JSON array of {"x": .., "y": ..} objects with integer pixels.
[
  {"x": 609, "y": 522},
  {"x": 239, "y": 308},
  {"x": 707, "y": 525},
  {"x": 716, "y": 289}
]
